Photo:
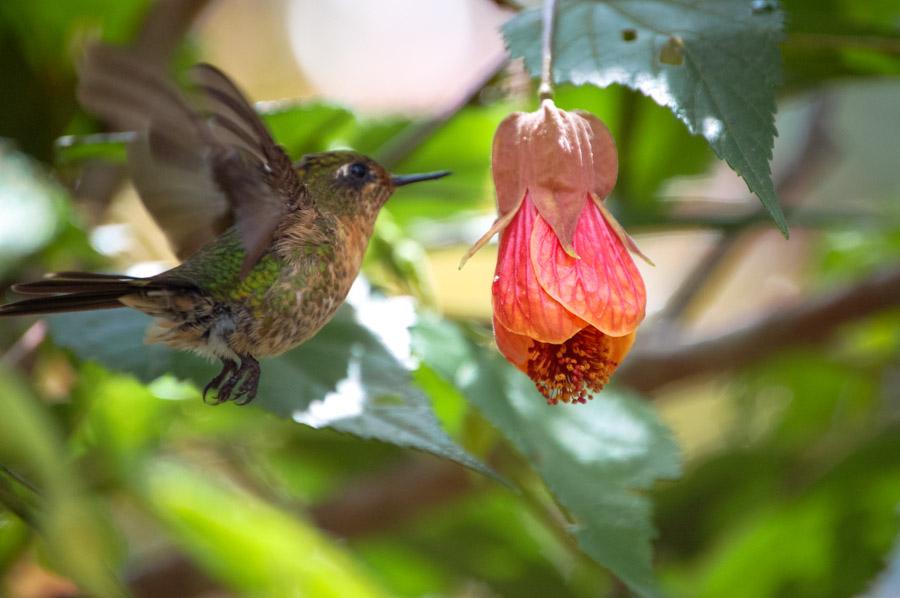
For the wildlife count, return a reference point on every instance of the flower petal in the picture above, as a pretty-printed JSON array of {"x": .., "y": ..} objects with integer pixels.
[
  {"x": 507, "y": 157},
  {"x": 620, "y": 231},
  {"x": 520, "y": 303},
  {"x": 499, "y": 224},
  {"x": 604, "y": 159},
  {"x": 604, "y": 286},
  {"x": 557, "y": 155},
  {"x": 620, "y": 346},
  {"x": 514, "y": 347},
  {"x": 571, "y": 152}
]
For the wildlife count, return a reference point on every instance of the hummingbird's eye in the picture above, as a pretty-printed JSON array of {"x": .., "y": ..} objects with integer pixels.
[{"x": 358, "y": 170}]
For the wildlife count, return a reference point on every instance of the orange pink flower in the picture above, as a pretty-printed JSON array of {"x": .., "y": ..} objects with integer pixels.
[{"x": 567, "y": 296}]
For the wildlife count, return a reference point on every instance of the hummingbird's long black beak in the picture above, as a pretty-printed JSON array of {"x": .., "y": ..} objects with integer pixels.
[{"x": 405, "y": 179}]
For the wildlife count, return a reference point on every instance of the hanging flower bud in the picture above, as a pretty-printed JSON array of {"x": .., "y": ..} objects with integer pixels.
[{"x": 567, "y": 296}]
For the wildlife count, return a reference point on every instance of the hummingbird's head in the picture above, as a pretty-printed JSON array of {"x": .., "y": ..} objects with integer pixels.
[{"x": 349, "y": 183}]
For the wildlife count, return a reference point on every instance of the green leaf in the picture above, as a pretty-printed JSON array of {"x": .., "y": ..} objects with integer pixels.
[
  {"x": 344, "y": 378},
  {"x": 124, "y": 420},
  {"x": 78, "y": 539},
  {"x": 714, "y": 63},
  {"x": 593, "y": 457},
  {"x": 75, "y": 149},
  {"x": 248, "y": 544}
]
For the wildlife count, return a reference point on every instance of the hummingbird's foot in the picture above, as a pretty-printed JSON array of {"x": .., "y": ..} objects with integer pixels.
[
  {"x": 250, "y": 384},
  {"x": 224, "y": 390},
  {"x": 229, "y": 367},
  {"x": 247, "y": 374}
]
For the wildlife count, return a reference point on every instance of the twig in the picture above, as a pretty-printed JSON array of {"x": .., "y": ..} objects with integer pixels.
[
  {"x": 649, "y": 368},
  {"x": 172, "y": 576},
  {"x": 371, "y": 503},
  {"x": 509, "y": 5},
  {"x": 882, "y": 43},
  {"x": 379, "y": 501},
  {"x": 807, "y": 219},
  {"x": 12, "y": 490}
]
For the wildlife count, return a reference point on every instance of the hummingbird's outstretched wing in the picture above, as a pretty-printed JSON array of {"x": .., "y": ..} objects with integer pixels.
[{"x": 202, "y": 162}]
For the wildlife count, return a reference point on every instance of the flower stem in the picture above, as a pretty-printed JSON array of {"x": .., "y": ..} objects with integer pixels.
[{"x": 545, "y": 91}]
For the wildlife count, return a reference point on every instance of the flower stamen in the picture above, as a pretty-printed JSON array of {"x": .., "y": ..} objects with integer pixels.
[{"x": 572, "y": 371}]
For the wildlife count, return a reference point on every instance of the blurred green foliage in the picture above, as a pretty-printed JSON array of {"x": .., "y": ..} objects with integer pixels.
[
  {"x": 114, "y": 475},
  {"x": 38, "y": 43}
]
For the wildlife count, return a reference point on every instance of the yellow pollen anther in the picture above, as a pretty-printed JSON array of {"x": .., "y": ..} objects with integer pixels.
[{"x": 574, "y": 370}]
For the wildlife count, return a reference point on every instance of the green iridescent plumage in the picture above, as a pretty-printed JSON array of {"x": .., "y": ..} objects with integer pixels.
[{"x": 216, "y": 268}]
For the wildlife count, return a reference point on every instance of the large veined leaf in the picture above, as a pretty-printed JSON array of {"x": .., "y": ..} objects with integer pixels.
[
  {"x": 594, "y": 457},
  {"x": 714, "y": 63},
  {"x": 344, "y": 378}
]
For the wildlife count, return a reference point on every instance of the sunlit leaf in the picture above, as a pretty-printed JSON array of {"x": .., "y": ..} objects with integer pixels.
[{"x": 714, "y": 63}]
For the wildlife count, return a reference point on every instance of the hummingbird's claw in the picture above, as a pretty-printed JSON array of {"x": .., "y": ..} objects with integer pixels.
[
  {"x": 228, "y": 368},
  {"x": 248, "y": 388},
  {"x": 247, "y": 373}
]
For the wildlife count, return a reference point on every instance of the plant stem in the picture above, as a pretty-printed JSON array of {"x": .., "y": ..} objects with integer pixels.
[
  {"x": 815, "y": 41},
  {"x": 545, "y": 91},
  {"x": 13, "y": 497}
]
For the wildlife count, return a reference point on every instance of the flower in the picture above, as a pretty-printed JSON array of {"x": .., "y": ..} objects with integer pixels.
[{"x": 567, "y": 296}]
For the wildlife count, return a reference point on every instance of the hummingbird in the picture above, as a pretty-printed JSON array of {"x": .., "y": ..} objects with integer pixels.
[{"x": 269, "y": 247}]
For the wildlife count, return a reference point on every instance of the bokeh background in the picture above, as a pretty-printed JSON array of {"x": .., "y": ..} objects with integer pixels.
[{"x": 775, "y": 363}]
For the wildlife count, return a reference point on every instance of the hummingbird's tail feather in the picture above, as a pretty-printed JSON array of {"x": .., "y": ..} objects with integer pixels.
[
  {"x": 76, "y": 282},
  {"x": 71, "y": 291},
  {"x": 59, "y": 303}
]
